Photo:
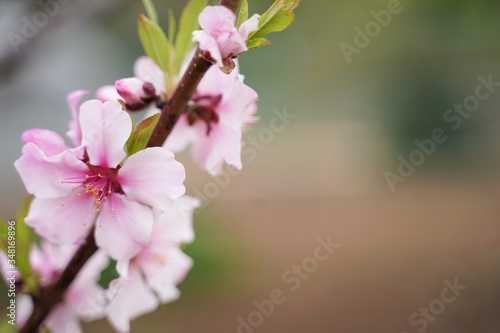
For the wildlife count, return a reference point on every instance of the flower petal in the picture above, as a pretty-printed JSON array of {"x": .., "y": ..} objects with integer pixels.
[
  {"x": 165, "y": 270},
  {"x": 64, "y": 220},
  {"x": 24, "y": 308},
  {"x": 216, "y": 19},
  {"x": 248, "y": 26},
  {"x": 146, "y": 70},
  {"x": 63, "y": 319},
  {"x": 153, "y": 177},
  {"x": 133, "y": 300},
  {"x": 49, "y": 142},
  {"x": 45, "y": 176},
  {"x": 174, "y": 225},
  {"x": 105, "y": 129},
  {"x": 182, "y": 135},
  {"x": 123, "y": 227},
  {"x": 107, "y": 93},
  {"x": 75, "y": 132},
  {"x": 208, "y": 43}
]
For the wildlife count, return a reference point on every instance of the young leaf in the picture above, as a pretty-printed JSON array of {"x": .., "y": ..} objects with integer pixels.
[
  {"x": 187, "y": 24},
  {"x": 277, "y": 18},
  {"x": 257, "y": 42},
  {"x": 150, "y": 10},
  {"x": 155, "y": 44},
  {"x": 172, "y": 26},
  {"x": 140, "y": 137},
  {"x": 243, "y": 15}
]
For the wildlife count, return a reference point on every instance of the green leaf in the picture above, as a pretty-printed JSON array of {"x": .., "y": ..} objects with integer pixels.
[
  {"x": 156, "y": 45},
  {"x": 172, "y": 26},
  {"x": 277, "y": 18},
  {"x": 150, "y": 10},
  {"x": 257, "y": 42},
  {"x": 139, "y": 139},
  {"x": 187, "y": 24},
  {"x": 243, "y": 15}
]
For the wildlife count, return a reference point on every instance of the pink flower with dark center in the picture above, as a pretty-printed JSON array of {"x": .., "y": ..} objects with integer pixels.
[
  {"x": 214, "y": 120},
  {"x": 101, "y": 186}
]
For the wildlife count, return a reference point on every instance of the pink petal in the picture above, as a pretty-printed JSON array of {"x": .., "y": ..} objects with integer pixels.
[
  {"x": 44, "y": 176},
  {"x": 107, "y": 93},
  {"x": 105, "y": 129},
  {"x": 153, "y": 177},
  {"x": 165, "y": 270},
  {"x": 134, "y": 300},
  {"x": 208, "y": 43},
  {"x": 217, "y": 19},
  {"x": 146, "y": 70},
  {"x": 248, "y": 26},
  {"x": 66, "y": 224},
  {"x": 231, "y": 44},
  {"x": 49, "y": 142},
  {"x": 223, "y": 144},
  {"x": 74, "y": 132},
  {"x": 24, "y": 308},
  {"x": 123, "y": 227},
  {"x": 175, "y": 224},
  {"x": 182, "y": 135},
  {"x": 63, "y": 319}
]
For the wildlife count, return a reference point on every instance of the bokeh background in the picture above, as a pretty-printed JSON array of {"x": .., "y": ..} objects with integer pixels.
[{"x": 322, "y": 175}]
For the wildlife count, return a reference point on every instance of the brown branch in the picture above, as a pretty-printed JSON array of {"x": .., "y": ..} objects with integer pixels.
[
  {"x": 231, "y": 4},
  {"x": 53, "y": 294}
]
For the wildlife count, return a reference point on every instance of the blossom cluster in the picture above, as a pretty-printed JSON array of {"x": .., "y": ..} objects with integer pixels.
[{"x": 134, "y": 203}]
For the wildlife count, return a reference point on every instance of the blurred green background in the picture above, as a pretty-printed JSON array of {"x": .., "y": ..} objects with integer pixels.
[{"x": 322, "y": 175}]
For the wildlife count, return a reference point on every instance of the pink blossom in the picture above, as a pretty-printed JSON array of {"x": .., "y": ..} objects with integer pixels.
[
  {"x": 221, "y": 106},
  {"x": 219, "y": 38},
  {"x": 152, "y": 276},
  {"x": 73, "y": 191}
]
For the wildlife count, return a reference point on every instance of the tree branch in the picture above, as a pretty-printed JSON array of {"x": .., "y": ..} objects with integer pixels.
[
  {"x": 231, "y": 4},
  {"x": 53, "y": 294}
]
